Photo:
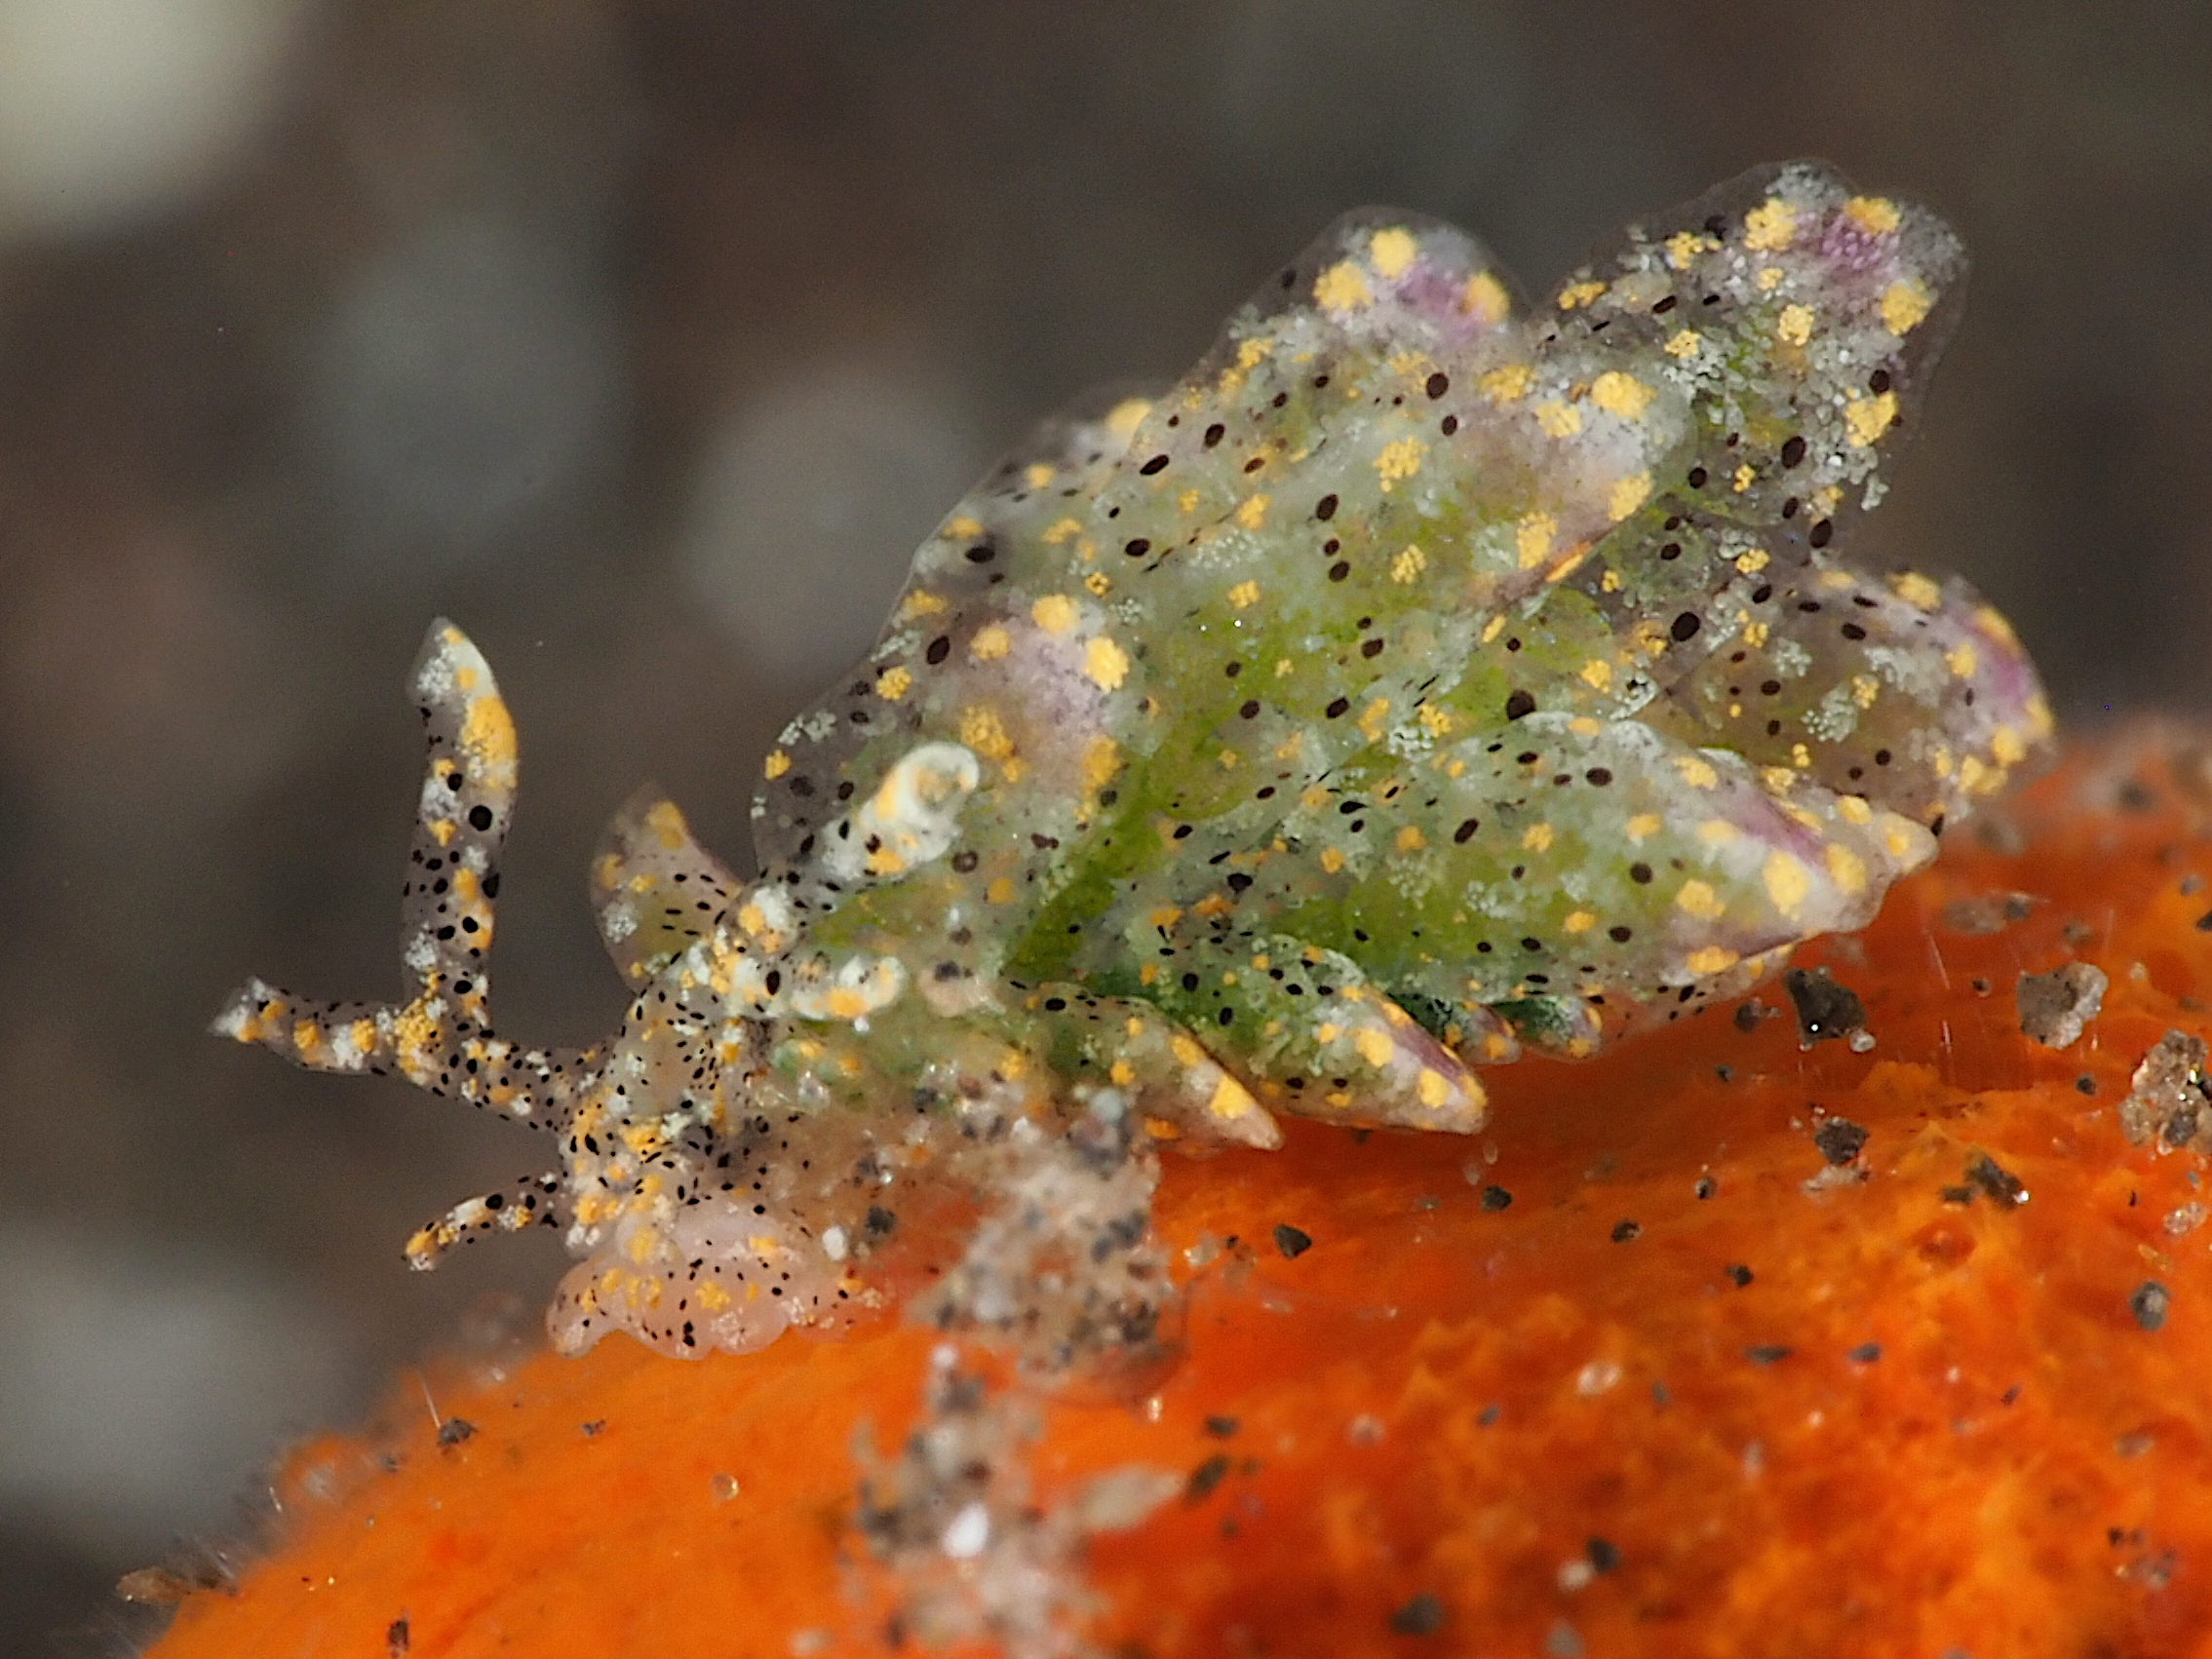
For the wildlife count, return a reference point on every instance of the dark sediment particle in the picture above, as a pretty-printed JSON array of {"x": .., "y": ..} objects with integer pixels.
[
  {"x": 1766, "y": 1353},
  {"x": 2168, "y": 1099},
  {"x": 1205, "y": 1478},
  {"x": 1624, "y": 1232},
  {"x": 1220, "y": 1428},
  {"x": 1291, "y": 1241},
  {"x": 1865, "y": 1354},
  {"x": 454, "y": 1430},
  {"x": 1750, "y": 1016},
  {"x": 1986, "y": 1176},
  {"x": 1495, "y": 1197},
  {"x": 2148, "y": 1304},
  {"x": 1420, "y": 1616},
  {"x": 398, "y": 1638},
  {"x": 1824, "y": 1009},
  {"x": 1603, "y": 1553},
  {"x": 1838, "y": 1140},
  {"x": 2054, "y": 1007}
]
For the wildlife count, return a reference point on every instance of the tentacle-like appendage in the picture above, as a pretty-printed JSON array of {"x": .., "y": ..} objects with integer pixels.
[
  {"x": 441, "y": 1038},
  {"x": 530, "y": 1202},
  {"x": 655, "y": 890}
]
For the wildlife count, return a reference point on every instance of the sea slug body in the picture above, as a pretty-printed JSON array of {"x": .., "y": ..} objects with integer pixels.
[{"x": 1423, "y": 679}]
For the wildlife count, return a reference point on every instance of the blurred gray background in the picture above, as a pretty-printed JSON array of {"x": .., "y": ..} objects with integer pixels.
[{"x": 648, "y": 339}]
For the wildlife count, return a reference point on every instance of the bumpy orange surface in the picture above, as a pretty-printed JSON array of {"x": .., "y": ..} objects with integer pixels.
[{"x": 1694, "y": 1389}]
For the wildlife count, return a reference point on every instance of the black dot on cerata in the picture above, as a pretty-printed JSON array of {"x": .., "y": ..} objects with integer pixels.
[
  {"x": 1249, "y": 708},
  {"x": 1158, "y": 463},
  {"x": 1370, "y": 648},
  {"x": 1519, "y": 702},
  {"x": 1214, "y": 434},
  {"x": 1793, "y": 451},
  {"x": 982, "y": 555},
  {"x": 1447, "y": 425},
  {"x": 1466, "y": 830},
  {"x": 1532, "y": 944},
  {"x": 1599, "y": 775},
  {"x": 1137, "y": 547},
  {"x": 1698, "y": 478},
  {"x": 939, "y": 650},
  {"x": 1339, "y": 570},
  {"x": 1878, "y": 382},
  {"x": 1685, "y": 626},
  {"x": 1191, "y": 982},
  {"x": 1325, "y": 508},
  {"x": 1640, "y": 873},
  {"x": 1338, "y": 707},
  {"x": 1618, "y": 935},
  {"x": 1821, "y": 533},
  {"x": 480, "y": 818},
  {"x": 1438, "y": 385}
]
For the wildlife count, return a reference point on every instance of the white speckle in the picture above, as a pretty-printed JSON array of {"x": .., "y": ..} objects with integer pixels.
[
  {"x": 1573, "y": 1574},
  {"x": 834, "y": 1244},
  {"x": 1596, "y": 1378},
  {"x": 969, "y": 1532},
  {"x": 1366, "y": 1429}
]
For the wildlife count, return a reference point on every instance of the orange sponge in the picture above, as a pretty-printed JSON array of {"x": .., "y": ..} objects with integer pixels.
[{"x": 1728, "y": 1343}]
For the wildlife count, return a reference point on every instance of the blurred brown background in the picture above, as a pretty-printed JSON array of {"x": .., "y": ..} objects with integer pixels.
[{"x": 647, "y": 339}]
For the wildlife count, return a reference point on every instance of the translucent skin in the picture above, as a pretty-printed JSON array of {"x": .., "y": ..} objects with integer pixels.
[{"x": 1413, "y": 682}]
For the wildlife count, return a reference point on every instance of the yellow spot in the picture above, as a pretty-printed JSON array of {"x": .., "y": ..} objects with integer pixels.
[
  {"x": 1917, "y": 590},
  {"x": 1596, "y": 673},
  {"x": 982, "y": 730},
  {"x": 1787, "y": 883},
  {"x": 1122, "y": 1073},
  {"x": 1374, "y": 1047},
  {"x": 1186, "y": 1050},
  {"x": 961, "y": 529},
  {"x": 1400, "y": 459},
  {"x": 1769, "y": 277},
  {"x": 1229, "y": 759},
  {"x": 922, "y": 602},
  {"x": 1408, "y": 564},
  {"x": 1097, "y": 583},
  {"x": 1435, "y": 721},
  {"x": 2006, "y": 743},
  {"x": 1341, "y": 287},
  {"x": 1846, "y": 868},
  {"x": 1683, "y": 344},
  {"x": 1283, "y": 668},
  {"x": 1372, "y": 718},
  {"x": 1716, "y": 832},
  {"x": 1643, "y": 826},
  {"x": 1230, "y": 1099},
  {"x": 1877, "y": 215},
  {"x": 1244, "y": 595},
  {"x": 1580, "y": 922},
  {"x": 1536, "y": 838},
  {"x": 1621, "y": 395},
  {"x": 1579, "y": 293},
  {"x": 1629, "y": 494},
  {"x": 1685, "y": 246},
  {"x": 1506, "y": 385},
  {"x": 488, "y": 733},
  {"x": 1101, "y": 758},
  {"x": 1751, "y": 562},
  {"x": 1559, "y": 420},
  {"x": 1061, "y": 530},
  {"x": 1410, "y": 839},
  {"x": 1106, "y": 663},
  {"x": 1779, "y": 778},
  {"x": 1769, "y": 227},
  {"x": 1795, "y": 326},
  {"x": 1038, "y": 474},
  {"x": 1165, "y": 917},
  {"x": 893, "y": 683},
  {"x": 1904, "y": 306},
  {"x": 1865, "y": 688},
  {"x": 1253, "y": 512},
  {"x": 1000, "y": 891},
  {"x": 1332, "y": 859},
  {"x": 1532, "y": 541},
  {"x": 1497, "y": 624},
  {"x": 1392, "y": 251},
  {"x": 1711, "y": 959},
  {"x": 1866, "y": 419},
  {"x": 1055, "y": 613},
  {"x": 1484, "y": 298},
  {"x": 1431, "y": 1088},
  {"x": 1126, "y": 416},
  {"x": 1960, "y": 659},
  {"x": 989, "y": 644},
  {"x": 1697, "y": 771},
  {"x": 1854, "y": 809},
  {"x": 776, "y": 765}
]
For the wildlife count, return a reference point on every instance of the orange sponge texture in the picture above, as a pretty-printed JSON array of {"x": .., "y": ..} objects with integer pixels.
[{"x": 1719, "y": 1345}]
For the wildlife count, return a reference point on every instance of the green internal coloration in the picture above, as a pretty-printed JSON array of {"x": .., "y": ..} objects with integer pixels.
[{"x": 1417, "y": 679}]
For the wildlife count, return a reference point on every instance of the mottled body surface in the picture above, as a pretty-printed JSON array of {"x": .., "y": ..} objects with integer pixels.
[{"x": 1417, "y": 681}]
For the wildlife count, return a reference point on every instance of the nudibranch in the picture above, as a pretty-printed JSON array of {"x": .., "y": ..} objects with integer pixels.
[{"x": 1426, "y": 676}]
